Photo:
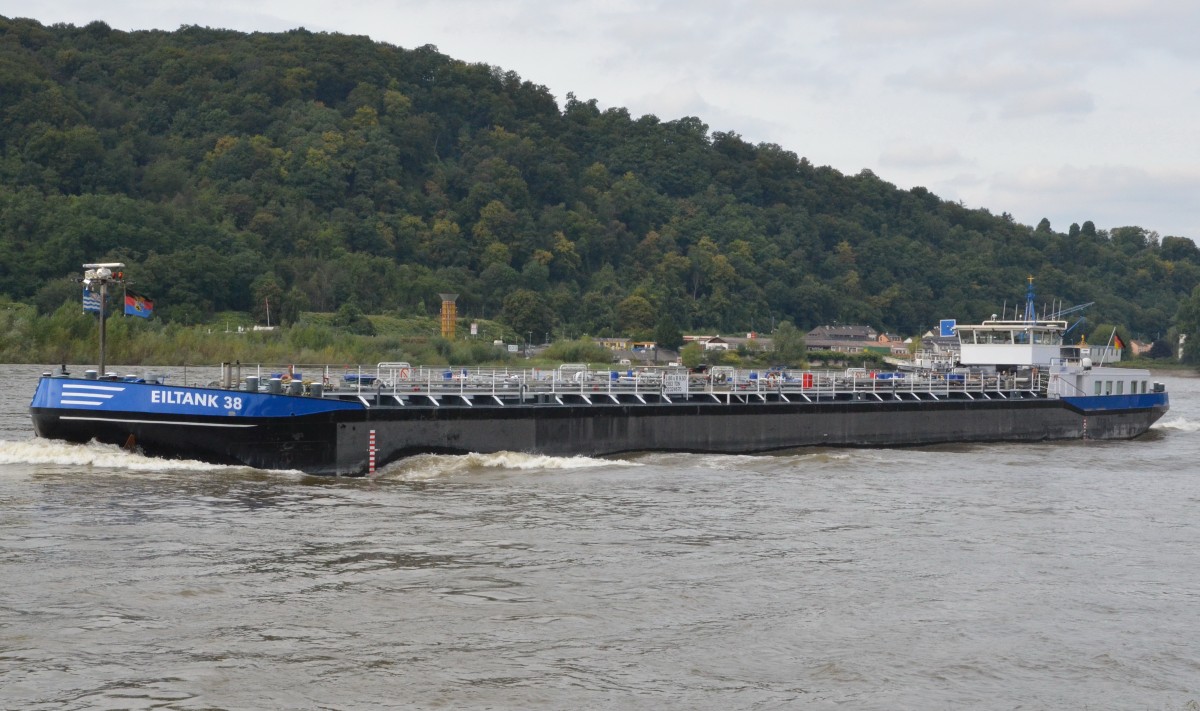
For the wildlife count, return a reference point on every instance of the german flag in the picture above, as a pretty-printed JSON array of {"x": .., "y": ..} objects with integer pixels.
[{"x": 1117, "y": 342}]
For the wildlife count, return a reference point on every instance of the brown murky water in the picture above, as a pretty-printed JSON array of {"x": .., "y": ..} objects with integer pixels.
[{"x": 983, "y": 577}]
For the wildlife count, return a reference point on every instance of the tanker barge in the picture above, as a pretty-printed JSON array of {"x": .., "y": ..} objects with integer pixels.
[
  {"x": 1014, "y": 381},
  {"x": 396, "y": 411}
]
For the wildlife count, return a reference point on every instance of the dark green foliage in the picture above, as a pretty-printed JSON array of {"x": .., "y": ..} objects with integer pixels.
[
  {"x": 667, "y": 334},
  {"x": 528, "y": 313},
  {"x": 789, "y": 345},
  {"x": 468, "y": 352},
  {"x": 1160, "y": 349},
  {"x": 583, "y": 350},
  {"x": 1188, "y": 319},
  {"x": 351, "y": 319},
  {"x": 310, "y": 171}
]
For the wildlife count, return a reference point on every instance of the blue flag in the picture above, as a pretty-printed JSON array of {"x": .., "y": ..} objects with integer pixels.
[{"x": 91, "y": 301}]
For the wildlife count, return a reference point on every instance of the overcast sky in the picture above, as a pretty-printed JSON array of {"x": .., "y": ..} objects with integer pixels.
[{"x": 1072, "y": 110}]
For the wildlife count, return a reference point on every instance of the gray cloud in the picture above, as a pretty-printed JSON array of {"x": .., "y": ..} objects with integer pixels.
[
  {"x": 1109, "y": 195},
  {"x": 921, "y": 156},
  {"x": 1048, "y": 101}
]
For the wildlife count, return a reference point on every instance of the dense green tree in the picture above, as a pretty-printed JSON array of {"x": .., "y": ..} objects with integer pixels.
[
  {"x": 293, "y": 303},
  {"x": 268, "y": 299},
  {"x": 667, "y": 334},
  {"x": 692, "y": 354},
  {"x": 527, "y": 313},
  {"x": 350, "y": 318},
  {"x": 635, "y": 315},
  {"x": 317, "y": 168},
  {"x": 1179, "y": 249},
  {"x": 55, "y": 293},
  {"x": 788, "y": 342},
  {"x": 1188, "y": 319}
]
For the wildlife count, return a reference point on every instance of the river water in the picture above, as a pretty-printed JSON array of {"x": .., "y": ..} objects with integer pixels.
[{"x": 1042, "y": 576}]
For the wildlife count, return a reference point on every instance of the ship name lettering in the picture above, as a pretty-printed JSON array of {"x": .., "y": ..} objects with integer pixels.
[{"x": 174, "y": 397}]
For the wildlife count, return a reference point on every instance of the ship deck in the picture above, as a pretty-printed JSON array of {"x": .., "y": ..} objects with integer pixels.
[{"x": 505, "y": 387}]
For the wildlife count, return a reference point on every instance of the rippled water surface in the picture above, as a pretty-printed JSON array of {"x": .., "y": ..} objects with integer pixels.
[{"x": 976, "y": 576}]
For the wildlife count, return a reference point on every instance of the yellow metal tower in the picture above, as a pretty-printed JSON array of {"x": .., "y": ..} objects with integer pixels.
[{"x": 449, "y": 315}]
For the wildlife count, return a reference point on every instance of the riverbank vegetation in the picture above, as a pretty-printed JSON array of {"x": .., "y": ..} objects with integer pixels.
[{"x": 68, "y": 336}]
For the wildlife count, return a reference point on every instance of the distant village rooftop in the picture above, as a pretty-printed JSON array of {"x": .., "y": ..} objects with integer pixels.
[{"x": 855, "y": 339}]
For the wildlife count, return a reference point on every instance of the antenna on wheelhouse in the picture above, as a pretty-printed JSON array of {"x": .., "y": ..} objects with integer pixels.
[
  {"x": 100, "y": 276},
  {"x": 1030, "y": 309}
]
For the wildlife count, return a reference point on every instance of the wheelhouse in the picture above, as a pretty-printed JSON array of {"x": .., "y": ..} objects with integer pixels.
[{"x": 1011, "y": 343}]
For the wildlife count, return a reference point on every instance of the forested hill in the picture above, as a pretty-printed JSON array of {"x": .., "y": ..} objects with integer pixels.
[{"x": 315, "y": 170}]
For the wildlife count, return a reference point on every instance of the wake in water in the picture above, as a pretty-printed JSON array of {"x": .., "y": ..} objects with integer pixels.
[
  {"x": 37, "y": 451},
  {"x": 1178, "y": 424},
  {"x": 93, "y": 454},
  {"x": 772, "y": 461},
  {"x": 434, "y": 466},
  {"x": 426, "y": 467}
]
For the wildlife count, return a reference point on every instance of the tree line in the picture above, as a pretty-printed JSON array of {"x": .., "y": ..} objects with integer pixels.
[{"x": 302, "y": 172}]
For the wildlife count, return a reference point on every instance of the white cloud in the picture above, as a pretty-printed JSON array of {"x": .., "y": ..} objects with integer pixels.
[
  {"x": 1108, "y": 195},
  {"x": 1048, "y": 101},
  {"x": 921, "y": 156}
]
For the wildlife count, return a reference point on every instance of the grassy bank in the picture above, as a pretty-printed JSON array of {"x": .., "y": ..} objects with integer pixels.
[
  {"x": 1168, "y": 366},
  {"x": 68, "y": 336}
]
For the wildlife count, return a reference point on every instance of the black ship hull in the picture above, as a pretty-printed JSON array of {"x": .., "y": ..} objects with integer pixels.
[
  {"x": 749, "y": 428},
  {"x": 356, "y": 437}
]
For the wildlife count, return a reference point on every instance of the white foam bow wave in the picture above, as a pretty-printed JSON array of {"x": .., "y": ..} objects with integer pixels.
[
  {"x": 92, "y": 454},
  {"x": 1179, "y": 424}
]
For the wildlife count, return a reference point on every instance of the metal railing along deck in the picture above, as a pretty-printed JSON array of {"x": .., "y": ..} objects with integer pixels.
[{"x": 726, "y": 385}]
